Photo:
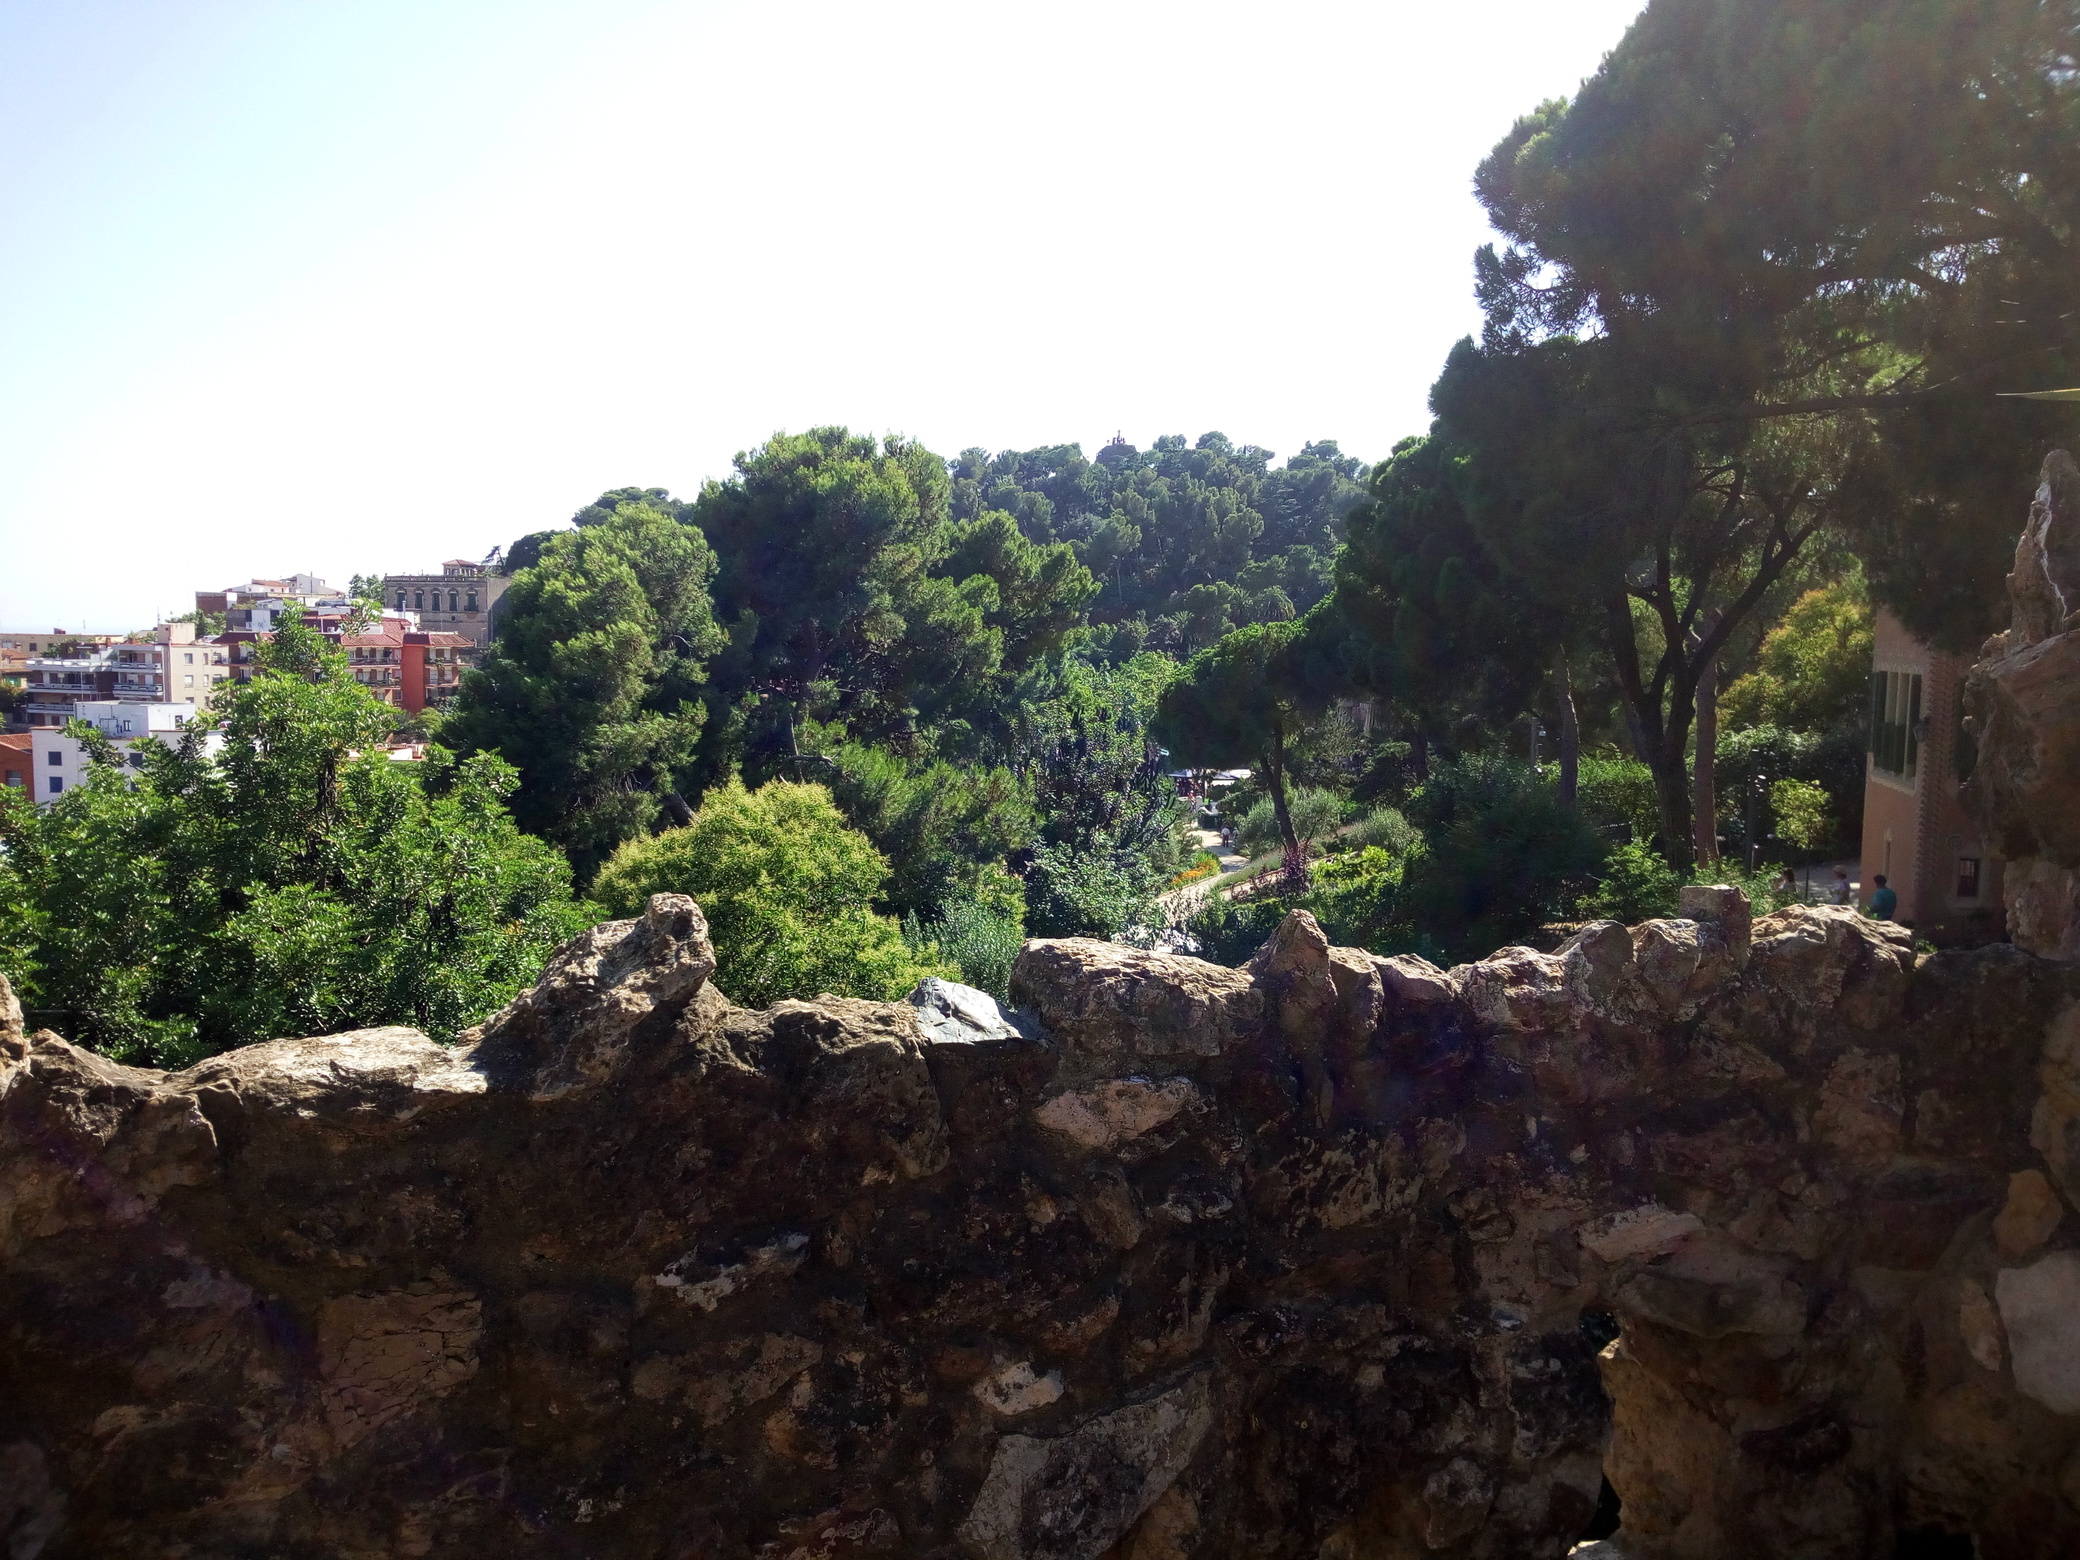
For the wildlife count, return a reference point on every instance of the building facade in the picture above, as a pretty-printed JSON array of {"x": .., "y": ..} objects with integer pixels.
[
  {"x": 1915, "y": 830},
  {"x": 458, "y": 600},
  {"x": 58, "y": 762},
  {"x": 17, "y": 759},
  {"x": 407, "y": 668},
  {"x": 169, "y": 666}
]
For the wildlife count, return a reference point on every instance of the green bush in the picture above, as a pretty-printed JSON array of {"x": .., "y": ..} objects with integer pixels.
[
  {"x": 982, "y": 943},
  {"x": 1316, "y": 815},
  {"x": 1094, "y": 891},
  {"x": 1634, "y": 885},
  {"x": 1356, "y": 897},
  {"x": 1500, "y": 857},
  {"x": 1228, "y": 931},
  {"x": 1388, "y": 828},
  {"x": 1617, "y": 795},
  {"x": 788, "y": 890}
]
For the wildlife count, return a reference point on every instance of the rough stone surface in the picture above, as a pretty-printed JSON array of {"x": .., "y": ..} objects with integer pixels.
[
  {"x": 952, "y": 1014},
  {"x": 1312, "y": 1259},
  {"x": 2022, "y": 710},
  {"x": 2040, "y": 1312}
]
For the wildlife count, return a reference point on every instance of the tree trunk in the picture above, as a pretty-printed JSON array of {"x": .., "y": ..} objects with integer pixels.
[
  {"x": 1704, "y": 783},
  {"x": 1570, "y": 732},
  {"x": 1671, "y": 772},
  {"x": 1286, "y": 837},
  {"x": 1419, "y": 756}
]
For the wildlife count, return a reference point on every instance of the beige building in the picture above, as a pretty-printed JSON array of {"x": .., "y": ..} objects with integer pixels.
[
  {"x": 1915, "y": 830},
  {"x": 167, "y": 666},
  {"x": 458, "y": 600}
]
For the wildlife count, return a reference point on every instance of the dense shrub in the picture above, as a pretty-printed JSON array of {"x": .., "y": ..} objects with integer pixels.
[
  {"x": 788, "y": 889},
  {"x": 1316, "y": 814},
  {"x": 1500, "y": 857},
  {"x": 1093, "y": 891}
]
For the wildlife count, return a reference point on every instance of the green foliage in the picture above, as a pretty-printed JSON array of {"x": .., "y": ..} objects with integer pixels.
[
  {"x": 1813, "y": 668},
  {"x": 1185, "y": 544},
  {"x": 941, "y": 826},
  {"x": 592, "y": 686},
  {"x": 1096, "y": 889},
  {"x": 853, "y": 597},
  {"x": 1500, "y": 857},
  {"x": 1244, "y": 701},
  {"x": 298, "y": 882},
  {"x": 1801, "y": 812},
  {"x": 1617, "y": 794},
  {"x": 1797, "y": 246},
  {"x": 1228, "y": 931},
  {"x": 1316, "y": 815},
  {"x": 1357, "y": 896},
  {"x": 1097, "y": 772},
  {"x": 1635, "y": 884},
  {"x": 1385, "y": 827},
  {"x": 981, "y": 936},
  {"x": 1437, "y": 624},
  {"x": 1761, "y": 756},
  {"x": 788, "y": 889}
]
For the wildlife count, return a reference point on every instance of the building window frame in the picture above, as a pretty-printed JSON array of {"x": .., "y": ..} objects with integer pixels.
[{"x": 1895, "y": 716}]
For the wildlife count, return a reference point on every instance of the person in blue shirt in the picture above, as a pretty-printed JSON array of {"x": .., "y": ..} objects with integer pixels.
[{"x": 1883, "y": 900}]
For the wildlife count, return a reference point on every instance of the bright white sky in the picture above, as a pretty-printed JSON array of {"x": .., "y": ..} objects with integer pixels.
[{"x": 362, "y": 287}]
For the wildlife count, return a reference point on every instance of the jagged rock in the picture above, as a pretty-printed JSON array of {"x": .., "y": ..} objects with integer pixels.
[
  {"x": 1071, "y": 1496},
  {"x": 2040, "y": 1313},
  {"x": 952, "y": 1014},
  {"x": 1280, "y": 1261}
]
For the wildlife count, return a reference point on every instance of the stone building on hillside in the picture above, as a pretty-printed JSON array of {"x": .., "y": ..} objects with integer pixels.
[
  {"x": 458, "y": 600},
  {"x": 1915, "y": 830}
]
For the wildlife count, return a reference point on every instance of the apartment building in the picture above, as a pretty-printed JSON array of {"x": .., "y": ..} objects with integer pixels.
[
  {"x": 257, "y": 606},
  {"x": 458, "y": 600},
  {"x": 405, "y": 667},
  {"x": 168, "y": 666},
  {"x": 57, "y": 762}
]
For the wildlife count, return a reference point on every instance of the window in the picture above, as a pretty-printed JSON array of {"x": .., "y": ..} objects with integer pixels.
[
  {"x": 188, "y": 681},
  {"x": 57, "y": 758},
  {"x": 419, "y": 600},
  {"x": 57, "y": 785},
  {"x": 1967, "y": 877},
  {"x": 1895, "y": 746},
  {"x": 189, "y": 657},
  {"x": 400, "y": 601},
  {"x": 470, "y": 604}
]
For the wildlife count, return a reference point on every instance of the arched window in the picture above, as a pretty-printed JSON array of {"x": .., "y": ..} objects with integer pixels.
[
  {"x": 419, "y": 600},
  {"x": 400, "y": 601},
  {"x": 471, "y": 604}
]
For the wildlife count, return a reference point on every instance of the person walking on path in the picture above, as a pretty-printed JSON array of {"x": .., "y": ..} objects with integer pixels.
[
  {"x": 1883, "y": 900},
  {"x": 1843, "y": 891}
]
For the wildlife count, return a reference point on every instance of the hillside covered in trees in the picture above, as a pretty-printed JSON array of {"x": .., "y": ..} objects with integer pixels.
[{"x": 1760, "y": 292}]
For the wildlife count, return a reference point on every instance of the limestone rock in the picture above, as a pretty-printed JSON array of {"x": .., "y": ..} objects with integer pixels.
[
  {"x": 575, "y": 1028},
  {"x": 1107, "y": 1114},
  {"x": 1070, "y": 1497},
  {"x": 1110, "y": 1004},
  {"x": 2040, "y": 1311},
  {"x": 2029, "y": 1216}
]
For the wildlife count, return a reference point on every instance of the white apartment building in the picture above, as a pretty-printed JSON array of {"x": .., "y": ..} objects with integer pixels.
[
  {"x": 171, "y": 667},
  {"x": 58, "y": 762}
]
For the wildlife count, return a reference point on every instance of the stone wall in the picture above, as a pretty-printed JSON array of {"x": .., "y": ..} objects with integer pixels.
[{"x": 1312, "y": 1258}]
